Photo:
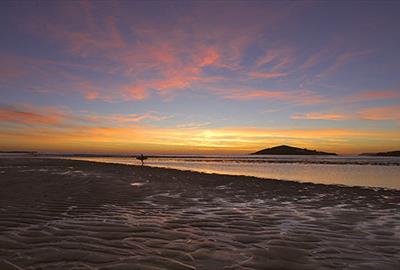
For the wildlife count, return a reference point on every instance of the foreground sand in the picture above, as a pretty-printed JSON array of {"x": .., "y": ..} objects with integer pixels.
[{"x": 64, "y": 214}]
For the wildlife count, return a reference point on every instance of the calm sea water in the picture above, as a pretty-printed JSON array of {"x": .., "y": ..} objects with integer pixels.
[{"x": 346, "y": 170}]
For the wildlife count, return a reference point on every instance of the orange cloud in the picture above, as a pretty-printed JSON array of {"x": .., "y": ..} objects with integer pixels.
[
  {"x": 267, "y": 75},
  {"x": 381, "y": 113},
  {"x": 163, "y": 58},
  {"x": 135, "y": 93},
  {"x": 51, "y": 129},
  {"x": 91, "y": 95},
  {"x": 184, "y": 140},
  {"x": 210, "y": 57},
  {"x": 44, "y": 117},
  {"x": 300, "y": 97},
  {"x": 374, "y": 114},
  {"x": 255, "y": 94},
  {"x": 320, "y": 116},
  {"x": 373, "y": 95},
  {"x": 117, "y": 119},
  {"x": 50, "y": 118}
]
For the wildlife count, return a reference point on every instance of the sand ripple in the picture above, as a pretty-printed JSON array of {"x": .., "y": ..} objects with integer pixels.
[{"x": 80, "y": 215}]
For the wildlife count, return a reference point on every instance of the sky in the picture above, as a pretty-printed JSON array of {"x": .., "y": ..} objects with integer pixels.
[{"x": 199, "y": 77}]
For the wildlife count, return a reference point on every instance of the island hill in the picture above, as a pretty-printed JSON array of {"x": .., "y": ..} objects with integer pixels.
[
  {"x": 383, "y": 154},
  {"x": 290, "y": 150}
]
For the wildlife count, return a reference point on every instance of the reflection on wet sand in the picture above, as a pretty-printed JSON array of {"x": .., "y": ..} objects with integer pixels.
[{"x": 64, "y": 214}]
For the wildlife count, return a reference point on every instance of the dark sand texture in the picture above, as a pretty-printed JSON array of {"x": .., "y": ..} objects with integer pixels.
[{"x": 65, "y": 214}]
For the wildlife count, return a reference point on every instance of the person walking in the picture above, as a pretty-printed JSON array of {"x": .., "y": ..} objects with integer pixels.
[{"x": 141, "y": 158}]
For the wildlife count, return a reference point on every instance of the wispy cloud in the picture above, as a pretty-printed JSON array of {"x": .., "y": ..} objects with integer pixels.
[
  {"x": 238, "y": 94},
  {"x": 299, "y": 97},
  {"x": 52, "y": 117},
  {"x": 319, "y": 116},
  {"x": 193, "y": 125},
  {"x": 276, "y": 59},
  {"x": 381, "y": 113},
  {"x": 44, "y": 116},
  {"x": 113, "y": 57},
  {"x": 121, "y": 119},
  {"x": 180, "y": 140},
  {"x": 362, "y": 96},
  {"x": 163, "y": 59},
  {"x": 267, "y": 75},
  {"x": 341, "y": 60}
]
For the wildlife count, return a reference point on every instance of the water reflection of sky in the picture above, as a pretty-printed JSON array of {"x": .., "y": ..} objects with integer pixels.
[{"x": 353, "y": 171}]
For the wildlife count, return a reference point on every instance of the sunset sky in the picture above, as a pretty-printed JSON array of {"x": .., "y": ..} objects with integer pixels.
[{"x": 199, "y": 77}]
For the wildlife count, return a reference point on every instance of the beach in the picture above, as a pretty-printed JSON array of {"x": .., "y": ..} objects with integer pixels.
[{"x": 69, "y": 214}]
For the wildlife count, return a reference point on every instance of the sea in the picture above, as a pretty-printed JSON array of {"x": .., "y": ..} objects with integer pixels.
[{"x": 382, "y": 172}]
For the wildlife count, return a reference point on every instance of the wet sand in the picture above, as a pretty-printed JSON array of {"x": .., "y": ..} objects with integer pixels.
[{"x": 66, "y": 214}]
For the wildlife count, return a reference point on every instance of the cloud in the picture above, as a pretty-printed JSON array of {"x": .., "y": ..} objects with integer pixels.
[
  {"x": 133, "y": 138},
  {"x": 373, "y": 95},
  {"x": 121, "y": 119},
  {"x": 53, "y": 117},
  {"x": 381, "y": 113},
  {"x": 373, "y": 114},
  {"x": 193, "y": 125},
  {"x": 102, "y": 60},
  {"x": 299, "y": 97},
  {"x": 341, "y": 60},
  {"x": 244, "y": 95},
  {"x": 84, "y": 41},
  {"x": 59, "y": 129},
  {"x": 209, "y": 57},
  {"x": 319, "y": 116},
  {"x": 46, "y": 116},
  {"x": 276, "y": 58},
  {"x": 162, "y": 58},
  {"x": 135, "y": 93},
  {"x": 267, "y": 75}
]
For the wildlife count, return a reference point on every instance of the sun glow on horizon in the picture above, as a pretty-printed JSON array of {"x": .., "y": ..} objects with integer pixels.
[{"x": 199, "y": 77}]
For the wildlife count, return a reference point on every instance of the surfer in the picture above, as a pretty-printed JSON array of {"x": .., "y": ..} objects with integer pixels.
[{"x": 141, "y": 158}]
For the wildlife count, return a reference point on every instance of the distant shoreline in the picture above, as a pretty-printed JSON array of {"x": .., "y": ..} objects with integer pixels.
[{"x": 243, "y": 176}]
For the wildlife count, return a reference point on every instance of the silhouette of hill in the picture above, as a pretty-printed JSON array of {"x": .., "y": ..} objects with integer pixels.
[
  {"x": 289, "y": 150},
  {"x": 383, "y": 154}
]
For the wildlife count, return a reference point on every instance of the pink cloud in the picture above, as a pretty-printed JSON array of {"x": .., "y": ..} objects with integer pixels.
[
  {"x": 319, "y": 116},
  {"x": 343, "y": 59},
  {"x": 373, "y": 95},
  {"x": 255, "y": 94},
  {"x": 209, "y": 57},
  {"x": 276, "y": 59},
  {"x": 60, "y": 117},
  {"x": 136, "y": 118},
  {"x": 161, "y": 58},
  {"x": 314, "y": 59},
  {"x": 373, "y": 114},
  {"x": 381, "y": 113},
  {"x": 88, "y": 40},
  {"x": 299, "y": 97},
  {"x": 135, "y": 93},
  {"x": 267, "y": 75},
  {"x": 91, "y": 95},
  {"x": 31, "y": 116},
  {"x": 323, "y": 55}
]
